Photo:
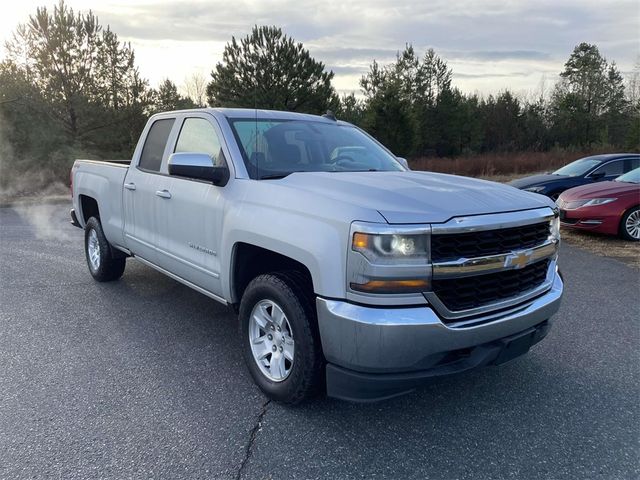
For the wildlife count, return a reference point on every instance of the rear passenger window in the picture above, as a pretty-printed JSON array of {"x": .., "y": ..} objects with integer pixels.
[
  {"x": 198, "y": 136},
  {"x": 151, "y": 157}
]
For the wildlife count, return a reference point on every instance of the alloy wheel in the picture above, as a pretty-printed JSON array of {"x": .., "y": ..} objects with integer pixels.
[
  {"x": 93, "y": 248},
  {"x": 271, "y": 340},
  {"x": 632, "y": 225}
]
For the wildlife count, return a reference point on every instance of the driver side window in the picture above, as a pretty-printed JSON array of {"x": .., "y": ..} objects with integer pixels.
[
  {"x": 611, "y": 169},
  {"x": 198, "y": 136}
]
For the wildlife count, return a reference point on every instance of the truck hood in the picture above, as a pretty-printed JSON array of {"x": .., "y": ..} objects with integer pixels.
[{"x": 416, "y": 197}]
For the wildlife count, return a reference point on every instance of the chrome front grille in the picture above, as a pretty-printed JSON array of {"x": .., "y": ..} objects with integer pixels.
[
  {"x": 472, "y": 292},
  {"x": 487, "y": 263},
  {"x": 487, "y": 242}
]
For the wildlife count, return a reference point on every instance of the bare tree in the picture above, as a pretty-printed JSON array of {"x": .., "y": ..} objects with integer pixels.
[
  {"x": 195, "y": 87},
  {"x": 633, "y": 85}
]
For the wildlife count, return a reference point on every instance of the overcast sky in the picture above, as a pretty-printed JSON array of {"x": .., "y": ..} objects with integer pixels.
[{"x": 490, "y": 44}]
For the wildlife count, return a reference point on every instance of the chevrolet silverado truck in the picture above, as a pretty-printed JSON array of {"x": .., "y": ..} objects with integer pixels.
[{"x": 349, "y": 272}]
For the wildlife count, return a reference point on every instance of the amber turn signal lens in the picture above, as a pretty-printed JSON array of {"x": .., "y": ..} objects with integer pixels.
[
  {"x": 392, "y": 286},
  {"x": 360, "y": 240}
]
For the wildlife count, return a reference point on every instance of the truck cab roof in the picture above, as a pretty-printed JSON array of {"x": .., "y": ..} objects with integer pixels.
[{"x": 236, "y": 113}]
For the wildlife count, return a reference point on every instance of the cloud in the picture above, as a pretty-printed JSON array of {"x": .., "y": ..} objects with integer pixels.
[
  {"x": 510, "y": 42},
  {"x": 348, "y": 69},
  {"x": 490, "y": 75},
  {"x": 337, "y": 54},
  {"x": 498, "y": 55}
]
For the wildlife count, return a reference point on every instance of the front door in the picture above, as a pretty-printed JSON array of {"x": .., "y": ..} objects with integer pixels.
[{"x": 190, "y": 218}]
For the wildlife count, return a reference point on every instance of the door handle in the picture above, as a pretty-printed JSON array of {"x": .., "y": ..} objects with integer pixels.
[
  {"x": 130, "y": 186},
  {"x": 163, "y": 193}
]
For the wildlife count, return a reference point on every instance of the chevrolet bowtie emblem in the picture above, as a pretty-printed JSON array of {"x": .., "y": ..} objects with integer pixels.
[{"x": 518, "y": 260}]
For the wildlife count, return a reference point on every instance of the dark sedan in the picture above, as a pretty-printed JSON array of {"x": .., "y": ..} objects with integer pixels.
[{"x": 581, "y": 172}]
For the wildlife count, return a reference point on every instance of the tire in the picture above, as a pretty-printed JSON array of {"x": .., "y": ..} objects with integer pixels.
[
  {"x": 629, "y": 224},
  {"x": 283, "y": 380},
  {"x": 104, "y": 267}
]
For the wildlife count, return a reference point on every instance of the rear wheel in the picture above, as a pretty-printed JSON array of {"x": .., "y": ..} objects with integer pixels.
[
  {"x": 630, "y": 224},
  {"x": 279, "y": 339},
  {"x": 103, "y": 265}
]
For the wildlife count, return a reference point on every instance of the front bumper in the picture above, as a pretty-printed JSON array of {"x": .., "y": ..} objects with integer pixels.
[
  {"x": 376, "y": 353},
  {"x": 593, "y": 219}
]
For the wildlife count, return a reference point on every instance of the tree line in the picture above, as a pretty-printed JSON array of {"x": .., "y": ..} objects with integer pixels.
[{"x": 69, "y": 87}]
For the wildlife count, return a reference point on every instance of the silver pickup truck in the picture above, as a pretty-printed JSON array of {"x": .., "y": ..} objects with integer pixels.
[{"x": 348, "y": 272}]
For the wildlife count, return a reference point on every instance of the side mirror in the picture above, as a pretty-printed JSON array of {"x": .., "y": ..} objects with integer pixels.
[
  {"x": 403, "y": 162},
  {"x": 597, "y": 176},
  {"x": 198, "y": 166}
]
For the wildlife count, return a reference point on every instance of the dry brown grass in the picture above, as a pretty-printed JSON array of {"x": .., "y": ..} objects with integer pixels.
[
  {"x": 605, "y": 246},
  {"x": 499, "y": 165}
]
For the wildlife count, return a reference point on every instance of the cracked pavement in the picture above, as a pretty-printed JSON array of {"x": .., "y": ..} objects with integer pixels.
[{"x": 143, "y": 378}]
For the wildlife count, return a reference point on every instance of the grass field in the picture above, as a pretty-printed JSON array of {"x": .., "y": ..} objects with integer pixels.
[{"x": 499, "y": 166}]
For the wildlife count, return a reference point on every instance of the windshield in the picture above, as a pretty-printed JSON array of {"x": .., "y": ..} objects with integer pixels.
[
  {"x": 276, "y": 148},
  {"x": 579, "y": 167},
  {"x": 631, "y": 177}
]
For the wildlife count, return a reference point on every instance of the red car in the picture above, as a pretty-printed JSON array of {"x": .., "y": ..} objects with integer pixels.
[{"x": 605, "y": 207}]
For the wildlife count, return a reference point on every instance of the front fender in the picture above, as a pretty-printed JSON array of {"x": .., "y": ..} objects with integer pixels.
[{"x": 318, "y": 245}]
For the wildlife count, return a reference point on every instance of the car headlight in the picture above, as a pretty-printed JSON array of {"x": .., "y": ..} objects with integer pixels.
[
  {"x": 554, "y": 227},
  {"x": 391, "y": 248},
  {"x": 598, "y": 201},
  {"x": 572, "y": 205},
  {"x": 537, "y": 189},
  {"x": 389, "y": 261}
]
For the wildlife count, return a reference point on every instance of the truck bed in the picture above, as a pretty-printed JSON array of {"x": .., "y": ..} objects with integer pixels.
[
  {"x": 118, "y": 163},
  {"x": 103, "y": 181}
]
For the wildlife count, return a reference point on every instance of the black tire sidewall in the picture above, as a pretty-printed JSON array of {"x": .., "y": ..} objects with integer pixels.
[
  {"x": 110, "y": 268},
  {"x": 305, "y": 375}
]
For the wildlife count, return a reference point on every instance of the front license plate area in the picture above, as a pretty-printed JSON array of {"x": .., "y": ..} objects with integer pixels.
[{"x": 515, "y": 347}]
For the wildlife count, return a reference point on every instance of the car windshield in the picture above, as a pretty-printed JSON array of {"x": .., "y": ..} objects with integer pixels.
[
  {"x": 631, "y": 177},
  {"x": 579, "y": 167},
  {"x": 275, "y": 148}
]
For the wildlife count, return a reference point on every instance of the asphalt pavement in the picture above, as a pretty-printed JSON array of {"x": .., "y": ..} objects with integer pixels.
[{"x": 143, "y": 378}]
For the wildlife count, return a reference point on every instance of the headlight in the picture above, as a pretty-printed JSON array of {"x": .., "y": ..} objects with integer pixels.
[
  {"x": 391, "y": 261},
  {"x": 554, "y": 227},
  {"x": 392, "y": 248},
  {"x": 599, "y": 201},
  {"x": 534, "y": 189},
  {"x": 574, "y": 204}
]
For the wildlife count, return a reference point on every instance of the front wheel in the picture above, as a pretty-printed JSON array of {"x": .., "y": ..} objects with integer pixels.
[
  {"x": 279, "y": 339},
  {"x": 630, "y": 225},
  {"x": 103, "y": 265}
]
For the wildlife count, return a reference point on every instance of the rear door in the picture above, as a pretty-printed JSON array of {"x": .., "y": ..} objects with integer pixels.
[
  {"x": 189, "y": 221},
  {"x": 140, "y": 187}
]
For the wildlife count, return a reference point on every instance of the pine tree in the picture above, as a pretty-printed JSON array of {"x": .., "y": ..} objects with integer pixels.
[{"x": 268, "y": 69}]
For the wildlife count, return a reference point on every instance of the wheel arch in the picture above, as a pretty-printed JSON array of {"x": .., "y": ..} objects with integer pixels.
[
  {"x": 621, "y": 226},
  {"x": 88, "y": 208},
  {"x": 248, "y": 261}
]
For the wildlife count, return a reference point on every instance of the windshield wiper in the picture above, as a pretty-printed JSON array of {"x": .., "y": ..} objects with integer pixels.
[{"x": 274, "y": 176}]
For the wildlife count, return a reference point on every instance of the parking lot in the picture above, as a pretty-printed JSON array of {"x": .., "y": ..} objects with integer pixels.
[{"x": 143, "y": 378}]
